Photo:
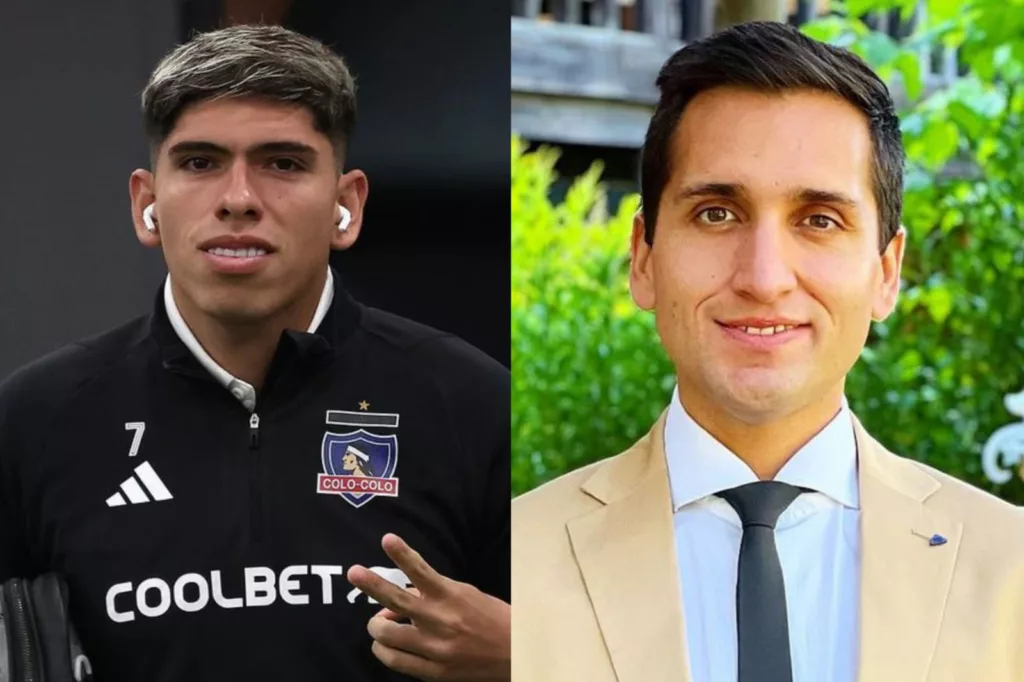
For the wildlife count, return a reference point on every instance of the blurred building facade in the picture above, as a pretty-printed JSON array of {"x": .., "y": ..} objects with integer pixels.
[{"x": 583, "y": 71}]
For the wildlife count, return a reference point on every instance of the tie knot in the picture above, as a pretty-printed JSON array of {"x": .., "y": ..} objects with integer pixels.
[{"x": 761, "y": 503}]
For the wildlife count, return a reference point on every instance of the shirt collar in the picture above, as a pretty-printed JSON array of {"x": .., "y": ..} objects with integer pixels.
[
  {"x": 699, "y": 465},
  {"x": 242, "y": 390}
]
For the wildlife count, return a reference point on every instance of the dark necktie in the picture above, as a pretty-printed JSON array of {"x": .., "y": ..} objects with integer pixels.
[{"x": 762, "y": 627}]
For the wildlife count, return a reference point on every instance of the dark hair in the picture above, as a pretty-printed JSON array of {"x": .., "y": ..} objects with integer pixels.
[
  {"x": 269, "y": 62},
  {"x": 773, "y": 57}
]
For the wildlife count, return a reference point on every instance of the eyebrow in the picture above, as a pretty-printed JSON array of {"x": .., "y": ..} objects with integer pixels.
[
  {"x": 728, "y": 190},
  {"x": 725, "y": 190},
  {"x": 807, "y": 195},
  {"x": 272, "y": 147}
]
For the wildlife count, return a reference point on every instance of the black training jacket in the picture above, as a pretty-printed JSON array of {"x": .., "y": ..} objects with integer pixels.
[{"x": 202, "y": 542}]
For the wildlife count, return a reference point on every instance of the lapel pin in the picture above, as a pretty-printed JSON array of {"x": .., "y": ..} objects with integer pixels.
[{"x": 936, "y": 540}]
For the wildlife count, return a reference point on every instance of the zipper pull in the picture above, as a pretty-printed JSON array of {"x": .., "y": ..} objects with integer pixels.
[{"x": 254, "y": 431}]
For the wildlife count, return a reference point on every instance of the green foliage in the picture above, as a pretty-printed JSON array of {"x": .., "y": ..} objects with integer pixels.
[
  {"x": 589, "y": 376},
  {"x": 931, "y": 381},
  {"x": 587, "y": 372}
]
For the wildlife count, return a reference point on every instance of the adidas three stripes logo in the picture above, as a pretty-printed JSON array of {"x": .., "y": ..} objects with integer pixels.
[{"x": 134, "y": 491}]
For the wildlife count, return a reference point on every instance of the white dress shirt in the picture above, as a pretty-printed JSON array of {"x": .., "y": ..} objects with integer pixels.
[
  {"x": 818, "y": 540},
  {"x": 242, "y": 390}
]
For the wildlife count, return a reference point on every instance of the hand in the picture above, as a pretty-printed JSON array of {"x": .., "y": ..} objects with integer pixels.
[{"x": 456, "y": 632}]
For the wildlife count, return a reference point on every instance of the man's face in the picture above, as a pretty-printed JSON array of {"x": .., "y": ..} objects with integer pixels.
[
  {"x": 768, "y": 220},
  {"x": 246, "y": 197}
]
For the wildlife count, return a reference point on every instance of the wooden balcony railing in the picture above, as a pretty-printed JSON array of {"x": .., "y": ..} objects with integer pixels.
[
  {"x": 689, "y": 20},
  {"x": 686, "y": 19},
  {"x": 583, "y": 70}
]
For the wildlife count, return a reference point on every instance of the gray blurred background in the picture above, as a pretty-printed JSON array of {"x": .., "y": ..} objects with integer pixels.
[{"x": 433, "y": 137}]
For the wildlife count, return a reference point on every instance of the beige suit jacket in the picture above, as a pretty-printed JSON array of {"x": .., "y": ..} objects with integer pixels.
[{"x": 596, "y": 594}]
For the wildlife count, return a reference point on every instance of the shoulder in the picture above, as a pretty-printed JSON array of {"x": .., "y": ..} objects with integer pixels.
[
  {"x": 549, "y": 506},
  {"x": 539, "y": 516},
  {"x": 982, "y": 514},
  {"x": 467, "y": 391},
  {"x": 990, "y": 555},
  {"x": 450, "y": 363},
  {"x": 541, "y": 553},
  {"x": 974, "y": 507},
  {"x": 554, "y": 503},
  {"x": 557, "y": 494},
  {"x": 991, "y": 527},
  {"x": 41, "y": 387}
]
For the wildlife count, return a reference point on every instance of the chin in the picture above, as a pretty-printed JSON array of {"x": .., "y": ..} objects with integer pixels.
[
  {"x": 760, "y": 396},
  {"x": 759, "y": 410},
  {"x": 238, "y": 312}
]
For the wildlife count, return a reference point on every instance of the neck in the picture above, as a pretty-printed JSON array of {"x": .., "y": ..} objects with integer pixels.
[
  {"x": 763, "y": 444},
  {"x": 245, "y": 348}
]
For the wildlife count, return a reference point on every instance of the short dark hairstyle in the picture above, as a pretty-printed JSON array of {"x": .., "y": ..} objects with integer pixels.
[
  {"x": 773, "y": 57},
  {"x": 268, "y": 62}
]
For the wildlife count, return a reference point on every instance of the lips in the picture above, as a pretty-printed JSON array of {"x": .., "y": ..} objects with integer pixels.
[
  {"x": 763, "y": 326},
  {"x": 763, "y": 331},
  {"x": 237, "y": 247},
  {"x": 237, "y": 255},
  {"x": 251, "y": 252}
]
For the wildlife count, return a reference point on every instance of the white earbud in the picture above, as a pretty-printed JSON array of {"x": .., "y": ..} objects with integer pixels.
[
  {"x": 346, "y": 218},
  {"x": 147, "y": 217}
]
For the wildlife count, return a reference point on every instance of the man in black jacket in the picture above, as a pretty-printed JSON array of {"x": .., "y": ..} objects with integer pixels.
[{"x": 205, "y": 477}]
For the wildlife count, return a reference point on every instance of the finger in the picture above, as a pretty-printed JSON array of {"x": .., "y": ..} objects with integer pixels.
[
  {"x": 391, "y": 596},
  {"x": 420, "y": 573},
  {"x": 391, "y": 615},
  {"x": 401, "y": 636},
  {"x": 408, "y": 664}
]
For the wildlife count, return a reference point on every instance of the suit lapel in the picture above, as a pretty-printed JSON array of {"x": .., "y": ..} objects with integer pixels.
[
  {"x": 904, "y": 579},
  {"x": 625, "y": 551}
]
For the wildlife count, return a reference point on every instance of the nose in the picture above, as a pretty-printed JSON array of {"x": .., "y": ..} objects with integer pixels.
[
  {"x": 764, "y": 268},
  {"x": 239, "y": 200}
]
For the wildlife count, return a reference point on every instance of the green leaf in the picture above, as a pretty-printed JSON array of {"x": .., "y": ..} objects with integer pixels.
[
  {"x": 944, "y": 10},
  {"x": 951, "y": 220},
  {"x": 827, "y": 29},
  {"x": 857, "y": 8},
  {"x": 986, "y": 148},
  {"x": 940, "y": 303},
  {"x": 907, "y": 9},
  {"x": 909, "y": 66},
  {"x": 909, "y": 364},
  {"x": 937, "y": 144},
  {"x": 969, "y": 121},
  {"x": 877, "y": 49},
  {"x": 981, "y": 60}
]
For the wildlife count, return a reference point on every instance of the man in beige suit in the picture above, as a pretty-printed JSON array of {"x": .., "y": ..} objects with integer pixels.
[{"x": 758, "y": 532}]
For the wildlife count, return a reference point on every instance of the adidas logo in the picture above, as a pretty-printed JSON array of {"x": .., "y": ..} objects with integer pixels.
[{"x": 135, "y": 493}]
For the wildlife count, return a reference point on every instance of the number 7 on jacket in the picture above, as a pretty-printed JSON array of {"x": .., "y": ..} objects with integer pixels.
[{"x": 139, "y": 428}]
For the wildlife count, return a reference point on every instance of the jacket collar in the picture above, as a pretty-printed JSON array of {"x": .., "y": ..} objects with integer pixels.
[{"x": 340, "y": 321}]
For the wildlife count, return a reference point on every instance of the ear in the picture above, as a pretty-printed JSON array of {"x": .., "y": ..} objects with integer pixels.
[
  {"x": 889, "y": 287},
  {"x": 641, "y": 266},
  {"x": 352, "y": 191},
  {"x": 142, "y": 192}
]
